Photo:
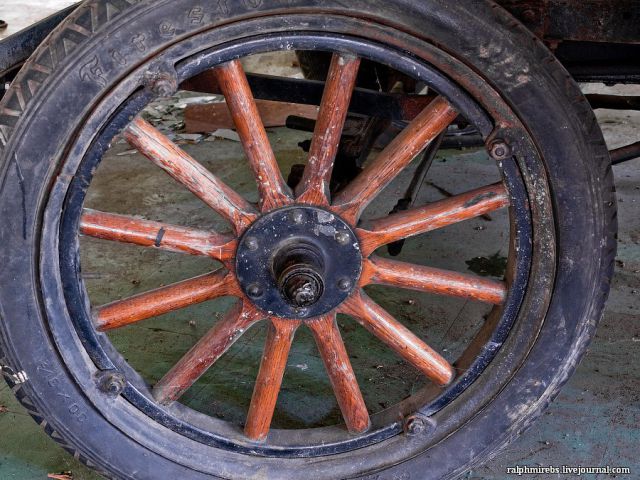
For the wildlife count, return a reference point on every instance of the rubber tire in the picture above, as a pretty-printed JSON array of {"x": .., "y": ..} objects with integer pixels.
[{"x": 551, "y": 106}]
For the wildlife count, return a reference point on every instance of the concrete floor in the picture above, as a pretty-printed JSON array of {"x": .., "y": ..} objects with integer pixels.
[{"x": 594, "y": 421}]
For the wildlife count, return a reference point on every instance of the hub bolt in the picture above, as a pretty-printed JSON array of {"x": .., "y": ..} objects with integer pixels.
[
  {"x": 252, "y": 243},
  {"x": 344, "y": 284},
  {"x": 297, "y": 217},
  {"x": 254, "y": 290},
  {"x": 343, "y": 238}
]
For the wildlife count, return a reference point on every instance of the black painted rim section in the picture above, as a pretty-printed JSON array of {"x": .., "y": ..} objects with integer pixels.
[{"x": 173, "y": 416}]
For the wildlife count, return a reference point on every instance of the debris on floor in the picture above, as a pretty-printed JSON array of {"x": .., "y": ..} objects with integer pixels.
[
  {"x": 61, "y": 476},
  {"x": 225, "y": 134}
]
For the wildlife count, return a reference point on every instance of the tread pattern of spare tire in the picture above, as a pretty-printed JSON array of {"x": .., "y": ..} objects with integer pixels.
[{"x": 78, "y": 27}]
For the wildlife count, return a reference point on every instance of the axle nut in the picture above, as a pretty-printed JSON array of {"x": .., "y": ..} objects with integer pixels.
[{"x": 302, "y": 287}]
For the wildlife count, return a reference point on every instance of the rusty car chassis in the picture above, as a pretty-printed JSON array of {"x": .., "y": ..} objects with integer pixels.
[{"x": 596, "y": 41}]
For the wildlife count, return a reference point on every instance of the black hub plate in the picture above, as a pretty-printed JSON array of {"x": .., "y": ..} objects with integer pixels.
[{"x": 283, "y": 229}]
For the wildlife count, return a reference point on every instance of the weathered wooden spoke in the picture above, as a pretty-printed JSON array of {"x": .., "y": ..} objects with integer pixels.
[
  {"x": 164, "y": 300},
  {"x": 343, "y": 380},
  {"x": 267, "y": 387},
  {"x": 382, "y": 271},
  {"x": 182, "y": 167},
  {"x": 432, "y": 216},
  {"x": 233, "y": 82},
  {"x": 430, "y": 123},
  {"x": 126, "y": 229},
  {"x": 379, "y": 322},
  {"x": 341, "y": 80},
  {"x": 206, "y": 352}
]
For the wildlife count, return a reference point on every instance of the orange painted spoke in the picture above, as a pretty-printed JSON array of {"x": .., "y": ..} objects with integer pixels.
[
  {"x": 375, "y": 319},
  {"x": 267, "y": 388},
  {"x": 433, "y": 216},
  {"x": 246, "y": 117},
  {"x": 126, "y": 229},
  {"x": 430, "y": 123},
  {"x": 341, "y": 80},
  {"x": 205, "y": 353},
  {"x": 164, "y": 300},
  {"x": 344, "y": 382},
  {"x": 182, "y": 167},
  {"x": 382, "y": 271}
]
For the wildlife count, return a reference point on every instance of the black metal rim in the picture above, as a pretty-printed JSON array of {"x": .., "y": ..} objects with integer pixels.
[{"x": 101, "y": 352}]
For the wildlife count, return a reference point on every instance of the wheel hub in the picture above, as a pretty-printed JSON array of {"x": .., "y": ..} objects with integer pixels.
[{"x": 298, "y": 262}]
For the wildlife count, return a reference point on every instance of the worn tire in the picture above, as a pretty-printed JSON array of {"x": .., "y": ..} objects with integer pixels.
[{"x": 49, "y": 99}]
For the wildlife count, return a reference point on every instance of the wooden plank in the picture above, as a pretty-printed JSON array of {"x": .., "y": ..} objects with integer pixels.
[{"x": 210, "y": 117}]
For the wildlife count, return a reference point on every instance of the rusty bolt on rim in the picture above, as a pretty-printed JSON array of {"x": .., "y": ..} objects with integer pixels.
[
  {"x": 418, "y": 425},
  {"x": 162, "y": 84},
  {"x": 111, "y": 383},
  {"x": 500, "y": 150}
]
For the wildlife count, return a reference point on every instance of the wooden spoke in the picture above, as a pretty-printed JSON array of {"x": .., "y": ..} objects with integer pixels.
[
  {"x": 126, "y": 229},
  {"x": 164, "y": 300},
  {"x": 433, "y": 216},
  {"x": 233, "y": 82},
  {"x": 267, "y": 388},
  {"x": 182, "y": 167},
  {"x": 341, "y": 80},
  {"x": 382, "y": 271},
  {"x": 432, "y": 121},
  {"x": 344, "y": 382},
  {"x": 206, "y": 352},
  {"x": 375, "y": 319}
]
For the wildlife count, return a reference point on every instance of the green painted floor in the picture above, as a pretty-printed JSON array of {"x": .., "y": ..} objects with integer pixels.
[{"x": 593, "y": 422}]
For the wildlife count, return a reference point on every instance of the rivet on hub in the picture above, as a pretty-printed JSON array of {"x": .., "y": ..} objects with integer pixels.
[
  {"x": 297, "y": 217},
  {"x": 252, "y": 243},
  {"x": 343, "y": 238},
  {"x": 254, "y": 291},
  {"x": 344, "y": 284}
]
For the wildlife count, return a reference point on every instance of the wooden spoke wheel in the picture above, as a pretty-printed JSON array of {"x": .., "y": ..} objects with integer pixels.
[{"x": 303, "y": 253}]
